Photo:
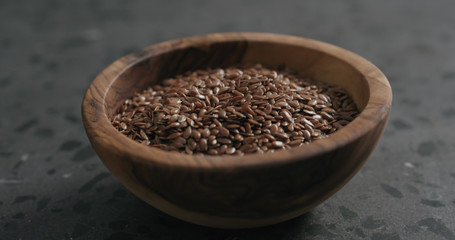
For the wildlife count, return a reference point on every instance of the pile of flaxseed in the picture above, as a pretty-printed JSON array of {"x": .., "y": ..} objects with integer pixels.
[{"x": 234, "y": 111}]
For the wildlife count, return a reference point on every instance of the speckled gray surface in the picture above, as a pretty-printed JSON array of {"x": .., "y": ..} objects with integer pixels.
[{"x": 53, "y": 186}]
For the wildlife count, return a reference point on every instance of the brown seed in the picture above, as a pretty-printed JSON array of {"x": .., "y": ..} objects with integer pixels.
[
  {"x": 239, "y": 114},
  {"x": 222, "y": 149},
  {"x": 205, "y": 132},
  {"x": 312, "y": 102},
  {"x": 180, "y": 140},
  {"x": 270, "y": 137},
  {"x": 323, "y": 97},
  {"x": 238, "y": 137},
  {"x": 237, "y": 93},
  {"x": 247, "y": 127},
  {"x": 224, "y": 140},
  {"x": 188, "y": 150},
  {"x": 174, "y": 135},
  {"x": 260, "y": 112},
  {"x": 217, "y": 123},
  {"x": 274, "y": 129},
  {"x": 190, "y": 122},
  {"x": 212, "y": 142},
  {"x": 222, "y": 114},
  {"x": 224, "y": 131},
  {"x": 202, "y": 112},
  {"x": 306, "y": 121},
  {"x": 309, "y": 127},
  {"x": 316, "y": 133},
  {"x": 245, "y": 148},
  {"x": 138, "y": 124},
  {"x": 252, "y": 149},
  {"x": 174, "y": 125},
  {"x": 267, "y": 124},
  {"x": 277, "y": 144},
  {"x": 177, "y": 145},
  {"x": 252, "y": 121},
  {"x": 230, "y": 150},
  {"x": 307, "y": 135},
  {"x": 187, "y": 132},
  {"x": 196, "y": 134},
  {"x": 203, "y": 145},
  {"x": 231, "y": 109},
  {"x": 143, "y": 135},
  {"x": 281, "y": 135},
  {"x": 249, "y": 140},
  {"x": 294, "y": 104},
  {"x": 191, "y": 144},
  {"x": 214, "y": 131},
  {"x": 287, "y": 115},
  {"x": 326, "y": 116},
  {"x": 291, "y": 127},
  {"x": 215, "y": 100},
  {"x": 308, "y": 107},
  {"x": 175, "y": 111},
  {"x": 181, "y": 118},
  {"x": 317, "y": 125},
  {"x": 172, "y": 118},
  {"x": 268, "y": 109},
  {"x": 282, "y": 104},
  {"x": 237, "y": 98},
  {"x": 317, "y": 117},
  {"x": 212, "y": 152},
  {"x": 309, "y": 112},
  {"x": 247, "y": 109},
  {"x": 329, "y": 110},
  {"x": 296, "y": 142}
]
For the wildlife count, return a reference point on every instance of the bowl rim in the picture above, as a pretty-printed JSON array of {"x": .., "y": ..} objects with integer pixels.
[{"x": 100, "y": 131}]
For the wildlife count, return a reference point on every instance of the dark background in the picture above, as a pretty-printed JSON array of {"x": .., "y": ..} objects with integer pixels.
[{"x": 53, "y": 186}]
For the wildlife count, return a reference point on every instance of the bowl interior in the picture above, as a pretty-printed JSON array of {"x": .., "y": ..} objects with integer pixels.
[{"x": 307, "y": 60}]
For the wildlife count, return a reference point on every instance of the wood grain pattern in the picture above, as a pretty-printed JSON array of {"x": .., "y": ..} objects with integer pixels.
[{"x": 230, "y": 191}]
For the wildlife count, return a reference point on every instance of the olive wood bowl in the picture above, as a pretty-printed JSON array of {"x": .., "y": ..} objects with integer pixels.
[{"x": 238, "y": 191}]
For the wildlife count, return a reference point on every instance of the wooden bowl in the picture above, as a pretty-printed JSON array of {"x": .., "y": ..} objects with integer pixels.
[{"x": 238, "y": 191}]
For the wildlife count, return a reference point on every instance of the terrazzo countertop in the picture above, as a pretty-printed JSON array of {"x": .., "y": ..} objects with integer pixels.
[{"x": 53, "y": 186}]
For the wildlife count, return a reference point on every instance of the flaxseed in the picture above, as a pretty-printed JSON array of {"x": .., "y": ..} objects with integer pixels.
[{"x": 234, "y": 111}]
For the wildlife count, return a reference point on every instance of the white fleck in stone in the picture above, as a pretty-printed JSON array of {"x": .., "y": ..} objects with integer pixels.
[
  {"x": 11, "y": 181},
  {"x": 434, "y": 196},
  {"x": 409, "y": 165},
  {"x": 24, "y": 157},
  {"x": 66, "y": 175}
]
